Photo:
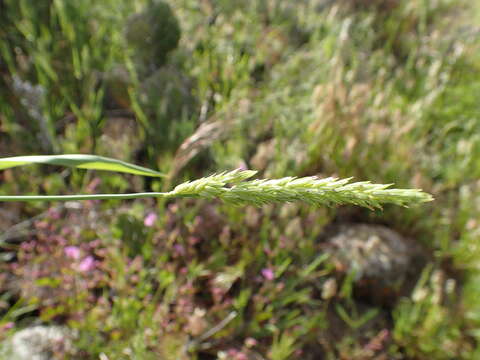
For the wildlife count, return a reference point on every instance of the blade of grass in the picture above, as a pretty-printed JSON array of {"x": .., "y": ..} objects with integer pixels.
[{"x": 80, "y": 161}]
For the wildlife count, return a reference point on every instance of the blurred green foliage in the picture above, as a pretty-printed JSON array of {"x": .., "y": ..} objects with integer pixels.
[{"x": 379, "y": 90}]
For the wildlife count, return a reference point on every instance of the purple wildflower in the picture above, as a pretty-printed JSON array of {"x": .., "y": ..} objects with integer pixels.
[
  {"x": 179, "y": 249},
  {"x": 87, "y": 264},
  {"x": 150, "y": 219},
  {"x": 268, "y": 274},
  {"x": 7, "y": 326},
  {"x": 72, "y": 252}
]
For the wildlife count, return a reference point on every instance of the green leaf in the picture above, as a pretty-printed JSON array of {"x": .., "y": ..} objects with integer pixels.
[{"x": 80, "y": 161}]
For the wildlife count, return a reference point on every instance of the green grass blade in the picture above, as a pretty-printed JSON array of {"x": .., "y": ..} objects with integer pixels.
[{"x": 80, "y": 161}]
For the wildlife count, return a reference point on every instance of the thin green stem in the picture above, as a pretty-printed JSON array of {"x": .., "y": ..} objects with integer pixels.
[{"x": 81, "y": 197}]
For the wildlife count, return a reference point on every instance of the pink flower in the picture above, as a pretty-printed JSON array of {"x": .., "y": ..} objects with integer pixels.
[
  {"x": 268, "y": 274},
  {"x": 237, "y": 355},
  {"x": 250, "y": 342},
  {"x": 241, "y": 356},
  {"x": 179, "y": 249},
  {"x": 150, "y": 219},
  {"x": 242, "y": 166},
  {"x": 6, "y": 326},
  {"x": 54, "y": 213},
  {"x": 87, "y": 264},
  {"x": 72, "y": 252}
]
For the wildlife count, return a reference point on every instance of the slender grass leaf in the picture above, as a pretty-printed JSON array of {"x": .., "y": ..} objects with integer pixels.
[{"x": 80, "y": 161}]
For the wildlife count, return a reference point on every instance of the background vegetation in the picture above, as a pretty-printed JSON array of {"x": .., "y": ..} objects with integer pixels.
[{"x": 385, "y": 91}]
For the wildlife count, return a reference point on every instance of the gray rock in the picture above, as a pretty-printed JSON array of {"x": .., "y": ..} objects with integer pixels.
[
  {"x": 384, "y": 264},
  {"x": 38, "y": 343}
]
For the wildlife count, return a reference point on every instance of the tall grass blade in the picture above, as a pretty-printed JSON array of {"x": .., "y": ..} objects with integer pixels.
[{"x": 80, "y": 161}]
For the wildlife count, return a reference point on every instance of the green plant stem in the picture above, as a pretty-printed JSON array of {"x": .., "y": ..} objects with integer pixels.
[
  {"x": 232, "y": 187},
  {"x": 81, "y": 197}
]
